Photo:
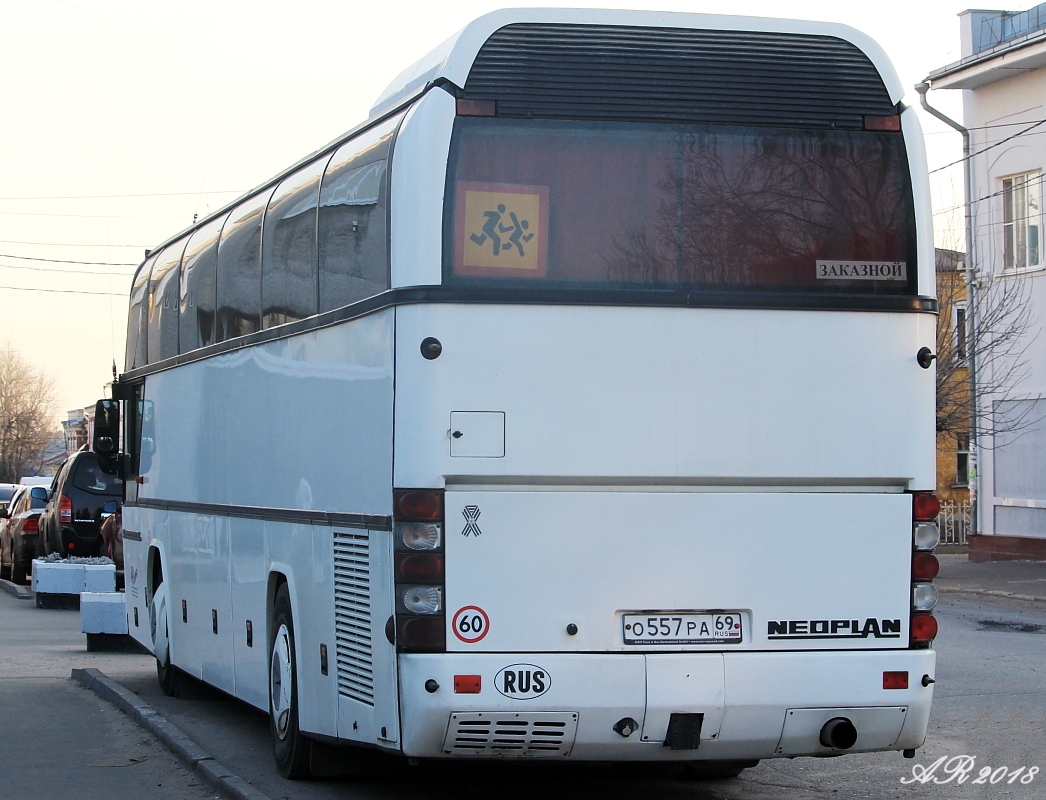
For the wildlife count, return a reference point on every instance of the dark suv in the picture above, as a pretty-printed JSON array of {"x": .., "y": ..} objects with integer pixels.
[{"x": 71, "y": 524}]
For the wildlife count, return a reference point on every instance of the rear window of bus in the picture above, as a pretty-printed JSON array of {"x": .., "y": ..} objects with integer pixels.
[{"x": 710, "y": 207}]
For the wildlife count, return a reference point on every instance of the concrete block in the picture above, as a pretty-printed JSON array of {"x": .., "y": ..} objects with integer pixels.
[
  {"x": 99, "y": 578},
  {"x": 103, "y": 612},
  {"x": 57, "y": 578}
]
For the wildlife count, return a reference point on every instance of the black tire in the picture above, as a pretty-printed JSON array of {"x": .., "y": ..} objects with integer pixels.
[
  {"x": 716, "y": 770},
  {"x": 5, "y": 572},
  {"x": 18, "y": 574},
  {"x": 166, "y": 673},
  {"x": 290, "y": 748}
]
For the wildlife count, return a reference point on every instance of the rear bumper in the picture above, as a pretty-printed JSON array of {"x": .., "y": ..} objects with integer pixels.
[
  {"x": 83, "y": 544},
  {"x": 753, "y": 705}
]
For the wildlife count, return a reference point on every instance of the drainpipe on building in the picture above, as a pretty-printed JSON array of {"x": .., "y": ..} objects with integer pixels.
[{"x": 971, "y": 288}]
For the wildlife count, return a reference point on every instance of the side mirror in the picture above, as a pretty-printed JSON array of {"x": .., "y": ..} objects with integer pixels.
[
  {"x": 110, "y": 508},
  {"x": 38, "y": 493},
  {"x": 107, "y": 434}
]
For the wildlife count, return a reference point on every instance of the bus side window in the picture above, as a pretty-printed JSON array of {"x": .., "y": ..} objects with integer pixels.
[
  {"x": 137, "y": 327},
  {"x": 239, "y": 270},
  {"x": 289, "y": 248},
  {"x": 352, "y": 239},
  {"x": 163, "y": 303},
  {"x": 198, "y": 290},
  {"x": 132, "y": 442}
]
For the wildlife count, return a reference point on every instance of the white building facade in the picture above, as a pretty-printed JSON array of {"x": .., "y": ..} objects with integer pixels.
[{"x": 1002, "y": 75}]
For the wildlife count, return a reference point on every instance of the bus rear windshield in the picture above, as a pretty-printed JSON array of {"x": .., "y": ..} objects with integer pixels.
[{"x": 702, "y": 207}]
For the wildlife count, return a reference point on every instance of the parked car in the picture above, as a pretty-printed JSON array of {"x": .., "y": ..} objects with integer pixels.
[
  {"x": 7, "y": 492},
  {"x": 71, "y": 523},
  {"x": 19, "y": 531},
  {"x": 7, "y": 502}
]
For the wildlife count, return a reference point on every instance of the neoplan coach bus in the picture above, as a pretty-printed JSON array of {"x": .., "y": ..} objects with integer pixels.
[{"x": 578, "y": 404}]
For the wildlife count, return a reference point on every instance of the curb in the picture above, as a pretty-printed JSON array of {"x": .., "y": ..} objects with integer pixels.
[
  {"x": 21, "y": 592},
  {"x": 204, "y": 766},
  {"x": 994, "y": 593}
]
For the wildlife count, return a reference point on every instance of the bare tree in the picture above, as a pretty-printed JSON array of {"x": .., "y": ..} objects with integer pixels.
[
  {"x": 996, "y": 338},
  {"x": 27, "y": 399}
]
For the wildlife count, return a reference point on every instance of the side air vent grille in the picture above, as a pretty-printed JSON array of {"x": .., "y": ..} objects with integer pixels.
[
  {"x": 535, "y": 735},
  {"x": 352, "y": 620},
  {"x": 601, "y": 72}
]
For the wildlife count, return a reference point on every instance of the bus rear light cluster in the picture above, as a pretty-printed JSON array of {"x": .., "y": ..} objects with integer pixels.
[
  {"x": 419, "y": 571},
  {"x": 925, "y": 566}
]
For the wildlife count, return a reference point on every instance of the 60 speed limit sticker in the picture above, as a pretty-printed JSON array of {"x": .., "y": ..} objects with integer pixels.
[{"x": 470, "y": 624}]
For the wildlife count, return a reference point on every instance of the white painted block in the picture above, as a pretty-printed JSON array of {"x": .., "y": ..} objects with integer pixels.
[
  {"x": 58, "y": 578},
  {"x": 103, "y": 612},
  {"x": 99, "y": 578}
]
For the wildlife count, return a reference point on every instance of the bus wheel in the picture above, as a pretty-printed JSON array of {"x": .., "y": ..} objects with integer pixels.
[
  {"x": 159, "y": 622},
  {"x": 716, "y": 770},
  {"x": 289, "y": 746}
]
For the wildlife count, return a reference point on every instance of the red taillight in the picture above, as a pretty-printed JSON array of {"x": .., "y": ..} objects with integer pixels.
[
  {"x": 65, "y": 510},
  {"x": 31, "y": 525},
  {"x": 925, "y": 506},
  {"x": 421, "y": 633},
  {"x": 895, "y": 680},
  {"x": 925, "y": 567},
  {"x": 924, "y": 628},
  {"x": 467, "y": 684},
  {"x": 419, "y": 568},
  {"x": 417, "y": 505}
]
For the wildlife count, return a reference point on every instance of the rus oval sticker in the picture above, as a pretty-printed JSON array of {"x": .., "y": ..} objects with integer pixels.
[{"x": 522, "y": 681}]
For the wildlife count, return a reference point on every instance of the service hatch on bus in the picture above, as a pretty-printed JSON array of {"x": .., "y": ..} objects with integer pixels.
[{"x": 578, "y": 405}]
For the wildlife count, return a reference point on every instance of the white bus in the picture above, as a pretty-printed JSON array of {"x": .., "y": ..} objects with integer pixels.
[{"x": 577, "y": 405}]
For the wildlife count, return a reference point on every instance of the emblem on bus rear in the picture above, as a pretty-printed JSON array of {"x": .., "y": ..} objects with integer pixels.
[
  {"x": 522, "y": 681},
  {"x": 471, "y": 514}
]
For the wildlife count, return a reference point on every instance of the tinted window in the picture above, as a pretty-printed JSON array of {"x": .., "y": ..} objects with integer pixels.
[
  {"x": 198, "y": 290},
  {"x": 7, "y": 495},
  {"x": 163, "y": 303},
  {"x": 289, "y": 248},
  {"x": 135, "y": 354},
  {"x": 239, "y": 270},
  {"x": 352, "y": 237},
  {"x": 89, "y": 476},
  {"x": 705, "y": 206}
]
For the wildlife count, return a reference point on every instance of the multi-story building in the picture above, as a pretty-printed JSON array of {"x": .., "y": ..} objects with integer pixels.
[{"x": 1002, "y": 75}]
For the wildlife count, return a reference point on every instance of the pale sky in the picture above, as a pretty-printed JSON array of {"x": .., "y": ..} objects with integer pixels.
[{"x": 121, "y": 119}]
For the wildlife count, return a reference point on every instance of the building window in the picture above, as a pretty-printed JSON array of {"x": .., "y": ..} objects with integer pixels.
[
  {"x": 962, "y": 461},
  {"x": 1021, "y": 218},
  {"x": 960, "y": 332}
]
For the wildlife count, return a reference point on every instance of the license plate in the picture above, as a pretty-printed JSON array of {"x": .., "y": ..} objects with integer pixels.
[{"x": 667, "y": 628}]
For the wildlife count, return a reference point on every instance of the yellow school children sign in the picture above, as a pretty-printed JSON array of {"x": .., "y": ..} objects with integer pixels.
[{"x": 501, "y": 230}]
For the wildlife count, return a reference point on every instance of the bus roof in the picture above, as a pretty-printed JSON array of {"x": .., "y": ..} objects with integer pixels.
[{"x": 453, "y": 59}]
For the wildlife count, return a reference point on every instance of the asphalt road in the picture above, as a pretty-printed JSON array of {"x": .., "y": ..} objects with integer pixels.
[
  {"x": 989, "y": 703},
  {"x": 59, "y": 740}
]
